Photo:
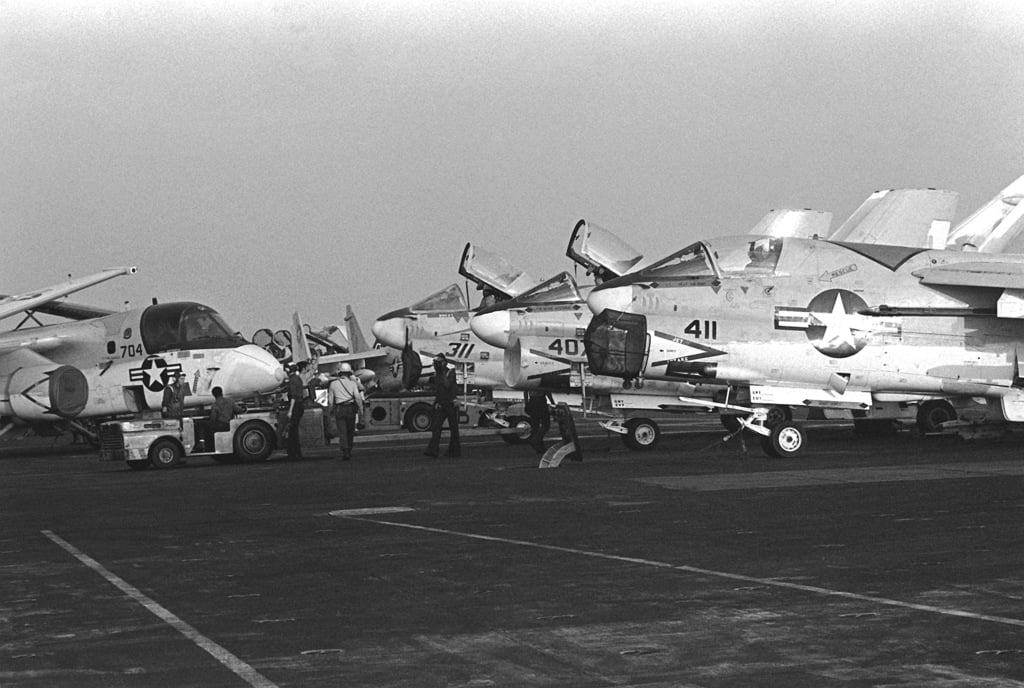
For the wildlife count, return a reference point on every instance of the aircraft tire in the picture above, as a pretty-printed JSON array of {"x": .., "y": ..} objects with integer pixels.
[
  {"x": 641, "y": 434},
  {"x": 419, "y": 418},
  {"x": 932, "y": 414},
  {"x": 254, "y": 440},
  {"x": 165, "y": 453},
  {"x": 786, "y": 440},
  {"x": 778, "y": 414},
  {"x": 523, "y": 428}
]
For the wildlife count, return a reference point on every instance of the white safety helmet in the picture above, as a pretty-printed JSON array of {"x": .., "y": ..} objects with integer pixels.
[{"x": 345, "y": 368}]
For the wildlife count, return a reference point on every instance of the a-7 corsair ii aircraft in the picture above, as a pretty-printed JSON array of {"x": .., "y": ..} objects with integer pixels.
[
  {"x": 806, "y": 322},
  {"x": 112, "y": 363}
]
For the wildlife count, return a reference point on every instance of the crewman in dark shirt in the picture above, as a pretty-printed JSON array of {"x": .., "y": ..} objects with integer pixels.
[
  {"x": 445, "y": 408},
  {"x": 296, "y": 407}
]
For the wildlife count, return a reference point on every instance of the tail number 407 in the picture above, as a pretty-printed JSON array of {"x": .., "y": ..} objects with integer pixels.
[{"x": 567, "y": 347}]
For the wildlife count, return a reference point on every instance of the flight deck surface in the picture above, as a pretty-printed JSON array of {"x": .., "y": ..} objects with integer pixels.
[{"x": 861, "y": 563}]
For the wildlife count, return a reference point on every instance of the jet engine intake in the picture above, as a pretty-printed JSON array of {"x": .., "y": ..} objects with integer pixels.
[
  {"x": 46, "y": 393},
  {"x": 616, "y": 344}
]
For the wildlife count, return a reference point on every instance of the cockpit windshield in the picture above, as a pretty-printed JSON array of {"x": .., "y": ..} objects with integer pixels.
[
  {"x": 450, "y": 298},
  {"x": 747, "y": 255},
  {"x": 692, "y": 261},
  {"x": 184, "y": 326},
  {"x": 559, "y": 289}
]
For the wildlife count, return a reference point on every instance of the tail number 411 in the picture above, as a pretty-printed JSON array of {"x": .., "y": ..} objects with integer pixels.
[{"x": 708, "y": 331}]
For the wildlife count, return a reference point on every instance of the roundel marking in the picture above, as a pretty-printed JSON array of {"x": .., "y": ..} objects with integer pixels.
[
  {"x": 833, "y": 325},
  {"x": 154, "y": 373}
]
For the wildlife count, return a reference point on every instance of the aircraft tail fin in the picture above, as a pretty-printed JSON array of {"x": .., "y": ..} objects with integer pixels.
[
  {"x": 300, "y": 345},
  {"x": 356, "y": 340}
]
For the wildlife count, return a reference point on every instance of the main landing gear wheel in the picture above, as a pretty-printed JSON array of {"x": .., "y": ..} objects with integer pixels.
[
  {"x": 523, "y": 428},
  {"x": 641, "y": 433},
  {"x": 776, "y": 415},
  {"x": 932, "y": 414},
  {"x": 253, "y": 441},
  {"x": 787, "y": 439},
  {"x": 164, "y": 454}
]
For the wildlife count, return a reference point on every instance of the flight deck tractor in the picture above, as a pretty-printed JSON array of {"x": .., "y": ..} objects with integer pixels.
[{"x": 163, "y": 443}]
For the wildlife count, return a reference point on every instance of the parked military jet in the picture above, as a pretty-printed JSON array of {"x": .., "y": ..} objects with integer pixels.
[
  {"x": 542, "y": 330},
  {"x": 107, "y": 363},
  {"x": 805, "y": 322},
  {"x": 440, "y": 323}
]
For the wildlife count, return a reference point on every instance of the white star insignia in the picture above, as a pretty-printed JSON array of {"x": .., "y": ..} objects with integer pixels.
[{"x": 837, "y": 326}]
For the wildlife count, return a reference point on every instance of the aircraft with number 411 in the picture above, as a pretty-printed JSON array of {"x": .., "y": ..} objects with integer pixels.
[
  {"x": 107, "y": 363},
  {"x": 820, "y": 323}
]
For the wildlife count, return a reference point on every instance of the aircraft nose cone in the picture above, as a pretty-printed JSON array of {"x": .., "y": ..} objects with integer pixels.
[
  {"x": 390, "y": 331},
  {"x": 614, "y": 298},
  {"x": 249, "y": 370},
  {"x": 492, "y": 327}
]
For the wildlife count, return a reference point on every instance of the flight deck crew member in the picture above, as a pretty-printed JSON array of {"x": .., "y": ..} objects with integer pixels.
[
  {"x": 296, "y": 407},
  {"x": 345, "y": 397},
  {"x": 445, "y": 408},
  {"x": 173, "y": 403},
  {"x": 540, "y": 418},
  {"x": 221, "y": 413}
]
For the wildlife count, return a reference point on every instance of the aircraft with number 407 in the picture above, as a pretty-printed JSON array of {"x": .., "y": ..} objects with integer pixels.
[
  {"x": 820, "y": 323},
  {"x": 108, "y": 363}
]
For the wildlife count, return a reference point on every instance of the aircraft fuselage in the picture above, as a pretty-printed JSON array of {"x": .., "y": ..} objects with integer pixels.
[{"x": 829, "y": 316}]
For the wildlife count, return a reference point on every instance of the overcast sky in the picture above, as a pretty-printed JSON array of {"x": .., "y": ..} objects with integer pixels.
[{"x": 263, "y": 157}]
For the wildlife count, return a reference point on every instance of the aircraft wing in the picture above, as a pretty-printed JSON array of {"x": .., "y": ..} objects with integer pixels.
[
  {"x": 301, "y": 351},
  {"x": 36, "y": 300},
  {"x": 898, "y": 217},
  {"x": 974, "y": 274},
  {"x": 73, "y": 311},
  {"x": 996, "y": 226},
  {"x": 352, "y": 357}
]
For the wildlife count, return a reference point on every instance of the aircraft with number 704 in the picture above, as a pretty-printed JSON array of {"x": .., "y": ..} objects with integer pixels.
[{"x": 106, "y": 363}]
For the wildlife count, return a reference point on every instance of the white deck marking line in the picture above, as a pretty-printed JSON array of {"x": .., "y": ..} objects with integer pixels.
[
  {"x": 243, "y": 670},
  {"x": 712, "y": 573}
]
